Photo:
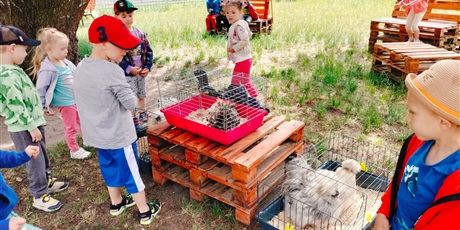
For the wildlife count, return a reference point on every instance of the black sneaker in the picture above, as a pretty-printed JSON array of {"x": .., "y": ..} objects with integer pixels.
[
  {"x": 147, "y": 217},
  {"x": 126, "y": 202}
]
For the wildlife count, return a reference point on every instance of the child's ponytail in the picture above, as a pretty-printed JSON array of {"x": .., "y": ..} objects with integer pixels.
[{"x": 47, "y": 36}]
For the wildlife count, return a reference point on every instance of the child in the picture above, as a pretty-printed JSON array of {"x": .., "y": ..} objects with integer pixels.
[
  {"x": 415, "y": 9},
  {"x": 22, "y": 109},
  {"x": 213, "y": 10},
  {"x": 9, "y": 199},
  {"x": 104, "y": 101},
  {"x": 238, "y": 47},
  {"x": 55, "y": 84},
  {"x": 425, "y": 191},
  {"x": 249, "y": 12},
  {"x": 137, "y": 61},
  {"x": 221, "y": 20}
]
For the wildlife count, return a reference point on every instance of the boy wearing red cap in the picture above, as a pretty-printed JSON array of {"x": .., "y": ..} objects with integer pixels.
[
  {"x": 425, "y": 191},
  {"x": 21, "y": 107},
  {"x": 138, "y": 61},
  {"x": 105, "y": 101}
]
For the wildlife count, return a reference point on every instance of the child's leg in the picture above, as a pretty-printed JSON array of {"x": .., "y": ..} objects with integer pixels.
[
  {"x": 214, "y": 22},
  {"x": 69, "y": 118},
  {"x": 242, "y": 74},
  {"x": 141, "y": 93},
  {"x": 38, "y": 168},
  {"x": 417, "y": 18},
  {"x": 409, "y": 22}
]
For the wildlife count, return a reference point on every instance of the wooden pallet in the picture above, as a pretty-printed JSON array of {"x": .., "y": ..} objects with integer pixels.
[
  {"x": 265, "y": 12},
  {"x": 227, "y": 173},
  {"x": 413, "y": 57},
  {"x": 439, "y": 27}
]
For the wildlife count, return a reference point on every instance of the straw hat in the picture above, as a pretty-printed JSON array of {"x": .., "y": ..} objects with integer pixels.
[{"x": 438, "y": 88}]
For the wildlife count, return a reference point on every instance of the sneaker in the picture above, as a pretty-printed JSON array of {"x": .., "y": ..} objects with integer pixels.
[
  {"x": 147, "y": 217},
  {"x": 47, "y": 203},
  {"x": 57, "y": 186},
  {"x": 80, "y": 154},
  {"x": 126, "y": 202}
]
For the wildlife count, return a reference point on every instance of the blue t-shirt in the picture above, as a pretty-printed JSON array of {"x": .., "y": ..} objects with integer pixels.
[
  {"x": 63, "y": 93},
  {"x": 420, "y": 184}
]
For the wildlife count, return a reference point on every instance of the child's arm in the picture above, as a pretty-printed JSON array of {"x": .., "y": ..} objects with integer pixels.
[
  {"x": 14, "y": 223},
  {"x": 148, "y": 62},
  {"x": 243, "y": 34},
  {"x": 14, "y": 107},
  {"x": 44, "y": 78},
  {"x": 253, "y": 12},
  {"x": 13, "y": 159},
  {"x": 123, "y": 92},
  {"x": 128, "y": 67}
]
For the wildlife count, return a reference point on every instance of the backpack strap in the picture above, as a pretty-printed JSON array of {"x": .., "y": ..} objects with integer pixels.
[
  {"x": 395, "y": 186},
  {"x": 444, "y": 199}
]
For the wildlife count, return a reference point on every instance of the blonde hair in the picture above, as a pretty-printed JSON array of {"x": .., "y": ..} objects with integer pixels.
[
  {"x": 48, "y": 36},
  {"x": 237, "y": 3}
]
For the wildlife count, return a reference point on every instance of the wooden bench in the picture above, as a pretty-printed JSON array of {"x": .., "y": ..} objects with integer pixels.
[
  {"x": 265, "y": 22},
  {"x": 439, "y": 27},
  {"x": 401, "y": 58},
  {"x": 231, "y": 173}
]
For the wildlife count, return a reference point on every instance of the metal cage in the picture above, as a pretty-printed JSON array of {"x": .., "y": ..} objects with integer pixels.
[{"x": 281, "y": 209}]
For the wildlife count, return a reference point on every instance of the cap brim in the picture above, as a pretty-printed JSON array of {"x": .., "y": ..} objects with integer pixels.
[
  {"x": 31, "y": 42},
  {"x": 127, "y": 43}
]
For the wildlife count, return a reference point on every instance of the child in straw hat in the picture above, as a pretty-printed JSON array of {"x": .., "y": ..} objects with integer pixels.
[{"x": 425, "y": 192}]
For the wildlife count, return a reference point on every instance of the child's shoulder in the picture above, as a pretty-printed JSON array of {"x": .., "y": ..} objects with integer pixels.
[{"x": 11, "y": 70}]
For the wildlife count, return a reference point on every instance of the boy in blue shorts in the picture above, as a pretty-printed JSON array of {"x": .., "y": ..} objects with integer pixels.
[{"x": 105, "y": 101}]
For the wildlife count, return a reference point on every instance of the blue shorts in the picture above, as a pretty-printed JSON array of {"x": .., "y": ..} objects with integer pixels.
[{"x": 119, "y": 168}]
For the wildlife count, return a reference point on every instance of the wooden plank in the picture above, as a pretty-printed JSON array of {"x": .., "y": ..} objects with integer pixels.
[
  {"x": 227, "y": 154},
  {"x": 194, "y": 157},
  {"x": 255, "y": 156},
  {"x": 170, "y": 134},
  {"x": 159, "y": 128},
  {"x": 183, "y": 138},
  {"x": 197, "y": 144}
]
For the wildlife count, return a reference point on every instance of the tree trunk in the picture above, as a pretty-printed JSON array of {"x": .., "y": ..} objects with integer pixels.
[{"x": 32, "y": 15}]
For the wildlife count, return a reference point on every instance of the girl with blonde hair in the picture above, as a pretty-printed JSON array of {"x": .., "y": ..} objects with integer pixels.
[{"x": 55, "y": 84}]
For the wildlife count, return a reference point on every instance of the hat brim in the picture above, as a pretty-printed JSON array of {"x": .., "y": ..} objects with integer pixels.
[
  {"x": 127, "y": 43},
  {"x": 428, "y": 102},
  {"x": 28, "y": 42}
]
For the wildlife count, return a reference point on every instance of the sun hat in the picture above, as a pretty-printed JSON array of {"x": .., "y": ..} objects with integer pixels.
[
  {"x": 111, "y": 29},
  {"x": 438, "y": 88},
  {"x": 123, "y": 6},
  {"x": 12, "y": 35}
]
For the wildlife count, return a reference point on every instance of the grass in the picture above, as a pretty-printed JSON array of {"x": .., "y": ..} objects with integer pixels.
[{"x": 316, "y": 69}]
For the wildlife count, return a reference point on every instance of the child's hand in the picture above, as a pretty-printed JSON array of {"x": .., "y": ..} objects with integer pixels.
[
  {"x": 49, "y": 112},
  {"x": 381, "y": 222},
  {"x": 211, "y": 10},
  {"x": 16, "y": 223},
  {"x": 135, "y": 70},
  {"x": 32, "y": 151},
  {"x": 36, "y": 135},
  {"x": 144, "y": 72},
  {"x": 231, "y": 50}
]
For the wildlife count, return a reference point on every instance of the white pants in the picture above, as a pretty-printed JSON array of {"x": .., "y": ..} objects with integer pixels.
[{"x": 413, "y": 20}]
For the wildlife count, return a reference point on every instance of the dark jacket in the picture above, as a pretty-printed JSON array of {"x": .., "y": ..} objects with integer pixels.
[{"x": 146, "y": 55}]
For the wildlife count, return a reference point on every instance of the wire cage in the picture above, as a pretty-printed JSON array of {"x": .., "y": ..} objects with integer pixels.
[
  {"x": 142, "y": 120},
  {"x": 215, "y": 104},
  {"x": 335, "y": 184}
]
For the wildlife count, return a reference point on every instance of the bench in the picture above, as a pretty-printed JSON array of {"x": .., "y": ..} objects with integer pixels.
[
  {"x": 439, "y": 26},
  {"x": 265, "y": 22}
]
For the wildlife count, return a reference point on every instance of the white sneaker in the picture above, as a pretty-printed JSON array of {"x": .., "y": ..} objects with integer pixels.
[{"x": 80, "y": 154}]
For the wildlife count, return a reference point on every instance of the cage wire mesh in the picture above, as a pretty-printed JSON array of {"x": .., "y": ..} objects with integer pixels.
[
  {"x": 143, "y": 119},
  {"x": 335, "y": 184},
  {"x": 216, "y": 98}
]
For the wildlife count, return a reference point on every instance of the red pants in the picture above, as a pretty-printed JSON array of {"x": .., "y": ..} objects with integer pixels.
[
  {"x": 242, "y": 76},
  {"x": 71, "y": 121},
  {"x": 211, "y": 22}
]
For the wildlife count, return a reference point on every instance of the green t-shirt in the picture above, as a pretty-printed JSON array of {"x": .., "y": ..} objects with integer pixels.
[{"x": 19, "y": 100}]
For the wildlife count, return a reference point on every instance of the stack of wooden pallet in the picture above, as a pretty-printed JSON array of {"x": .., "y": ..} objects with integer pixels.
[
  {"x": 439, "y": 27},
  {"x": 227, "y": 173},
  {"x": 265, "y": 22},
  {"x": 402, "y": 58}
]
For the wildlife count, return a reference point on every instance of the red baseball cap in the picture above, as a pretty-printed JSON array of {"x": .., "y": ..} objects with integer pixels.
[{"x": 111, "y": 29}]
